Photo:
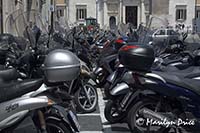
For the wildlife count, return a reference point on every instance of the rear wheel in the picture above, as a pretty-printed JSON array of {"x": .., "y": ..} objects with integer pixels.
[{"x": 138, "y": 123}]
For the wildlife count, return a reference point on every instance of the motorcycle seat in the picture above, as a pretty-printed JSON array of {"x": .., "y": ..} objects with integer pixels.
[
  {"x": 191, "y": 84},
  {"x": 190, "y": 72},
  {"x": 8, "y": 75},
  {"x": 18, "y": 88}
]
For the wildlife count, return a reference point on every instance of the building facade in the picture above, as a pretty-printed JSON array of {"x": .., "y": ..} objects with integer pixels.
[
  {"x": 107, "y": 12},
  {"x": 113, "y": 12},
  {"x": 182, "y": 12}
]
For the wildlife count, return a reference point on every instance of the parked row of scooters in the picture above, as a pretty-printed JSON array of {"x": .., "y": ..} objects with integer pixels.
[
  {"x": 44, "y": 83},
  {"x": 152, "y": 90},
  {"x": 45, "y": 80}
]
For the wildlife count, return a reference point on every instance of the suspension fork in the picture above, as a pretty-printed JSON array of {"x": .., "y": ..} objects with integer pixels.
[{"x": 42, "y": 121}]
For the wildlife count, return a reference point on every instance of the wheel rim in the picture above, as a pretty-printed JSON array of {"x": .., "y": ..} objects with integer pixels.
[
  {"x": 87, "y": 97},
  {"x": 52, "y": 128}
]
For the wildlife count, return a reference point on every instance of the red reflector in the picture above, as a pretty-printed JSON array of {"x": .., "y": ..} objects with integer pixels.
[
  {"x": 129, "y": 47},
  {"x": 119, "y": 41}
]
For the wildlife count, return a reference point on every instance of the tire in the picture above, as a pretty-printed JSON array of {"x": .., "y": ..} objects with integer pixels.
[
  {"x": 91, "y": 100},
  {"x": 110, "y": 105},
  {"x": 107, "y": 90},
  {"x": 55, "y": 126},
  {"x": 138, "y": 124}
]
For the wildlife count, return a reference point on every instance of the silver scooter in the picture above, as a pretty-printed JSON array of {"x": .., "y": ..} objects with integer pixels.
[{"x": 33, "y": 105}]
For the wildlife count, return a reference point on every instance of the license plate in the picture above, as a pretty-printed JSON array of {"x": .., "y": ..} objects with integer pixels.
[{"x": 75, "y": 120}]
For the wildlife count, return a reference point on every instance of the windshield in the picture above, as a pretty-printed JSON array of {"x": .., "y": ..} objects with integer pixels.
[
  {"x": 157, "y": 22},
  {"x": 25, "y": 24},
  {"x": 160, "y": 47},
  {"x": 145, "y": 33}
]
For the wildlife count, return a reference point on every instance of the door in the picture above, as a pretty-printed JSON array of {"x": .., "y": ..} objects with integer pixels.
[
  {"x": 112, "y": 22},
  {"x": 131, "y": 15}
]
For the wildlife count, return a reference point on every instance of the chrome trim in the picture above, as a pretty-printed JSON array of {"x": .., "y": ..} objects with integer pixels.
[
  {"x": 119, "y": 89},
  {"x": 62, "y": 67},
  {"x": 197, "y": 78},
  {"x": 99, "y": 69},
  {"x": 155, "y": 76}
]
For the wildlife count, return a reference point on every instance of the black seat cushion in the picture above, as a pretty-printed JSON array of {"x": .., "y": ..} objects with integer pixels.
[
  {"x": 18, "y": 88},
  {"x": 191, "y": 84},
  {"x": 190, "y": 72},
  {"x": 7, "y": 75}
]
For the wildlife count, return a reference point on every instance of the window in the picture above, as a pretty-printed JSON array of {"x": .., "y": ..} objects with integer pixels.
[
  {"x": 160, "y": 32},
  {"x": 198, "y": 14},
  {"x": 81, "y": 12},
  {"x": 171, "y": 32},
  {"x": 60, "y": 13},
  {"x": 181, "y": 13}
]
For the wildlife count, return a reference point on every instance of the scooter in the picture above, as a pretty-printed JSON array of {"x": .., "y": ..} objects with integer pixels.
[{"x": 25, "y": 103}]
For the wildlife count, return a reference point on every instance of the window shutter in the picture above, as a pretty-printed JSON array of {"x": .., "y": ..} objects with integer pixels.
[
  {"x": 176, "y": 14},
  {"x": 76, "y": 14},
  {"x": 185, "y": 14}
]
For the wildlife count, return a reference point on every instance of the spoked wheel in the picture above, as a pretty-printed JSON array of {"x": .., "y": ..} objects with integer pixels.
[
  {"x": 137, "y": 121},
  {"x": 112, "y": 114},
  {"x": 54, "y": 126},
  {"x": 86, "y": 98}
]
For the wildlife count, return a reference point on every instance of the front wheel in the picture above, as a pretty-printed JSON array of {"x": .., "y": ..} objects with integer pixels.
[
  {"x": 86, "y": 98},
  {"x": 56, "y": 126}
]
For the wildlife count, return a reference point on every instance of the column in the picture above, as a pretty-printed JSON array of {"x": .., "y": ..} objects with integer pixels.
[
  {"x": 143, "y": 16},
  {"x": 105, "y": 12},
  {"x": 121, "y": 11},
  {"x": 1, "y": 16},
  {"x": 100, "y": 13},
  {"x": 97, "y": 8}
]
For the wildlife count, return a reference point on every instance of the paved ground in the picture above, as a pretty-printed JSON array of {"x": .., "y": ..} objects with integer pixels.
[{"x": 96, "y": 123}]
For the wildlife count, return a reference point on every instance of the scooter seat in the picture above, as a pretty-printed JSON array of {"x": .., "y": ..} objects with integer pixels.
[
  {"x": 18, "y": 88},
  {"x": 190, "y": 72},
  {"x": 7, "y": 75},
  {"x": 190, "y": 84}
]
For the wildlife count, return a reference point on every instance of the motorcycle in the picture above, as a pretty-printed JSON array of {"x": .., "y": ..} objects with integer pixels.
[{"x": 158, "y": 101}]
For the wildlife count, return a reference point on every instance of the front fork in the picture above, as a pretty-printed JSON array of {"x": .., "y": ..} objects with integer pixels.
[{"x": 42, "y": 121}]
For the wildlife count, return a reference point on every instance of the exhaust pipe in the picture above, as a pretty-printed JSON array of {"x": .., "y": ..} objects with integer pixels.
[{"x": 156, "y": 116}]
